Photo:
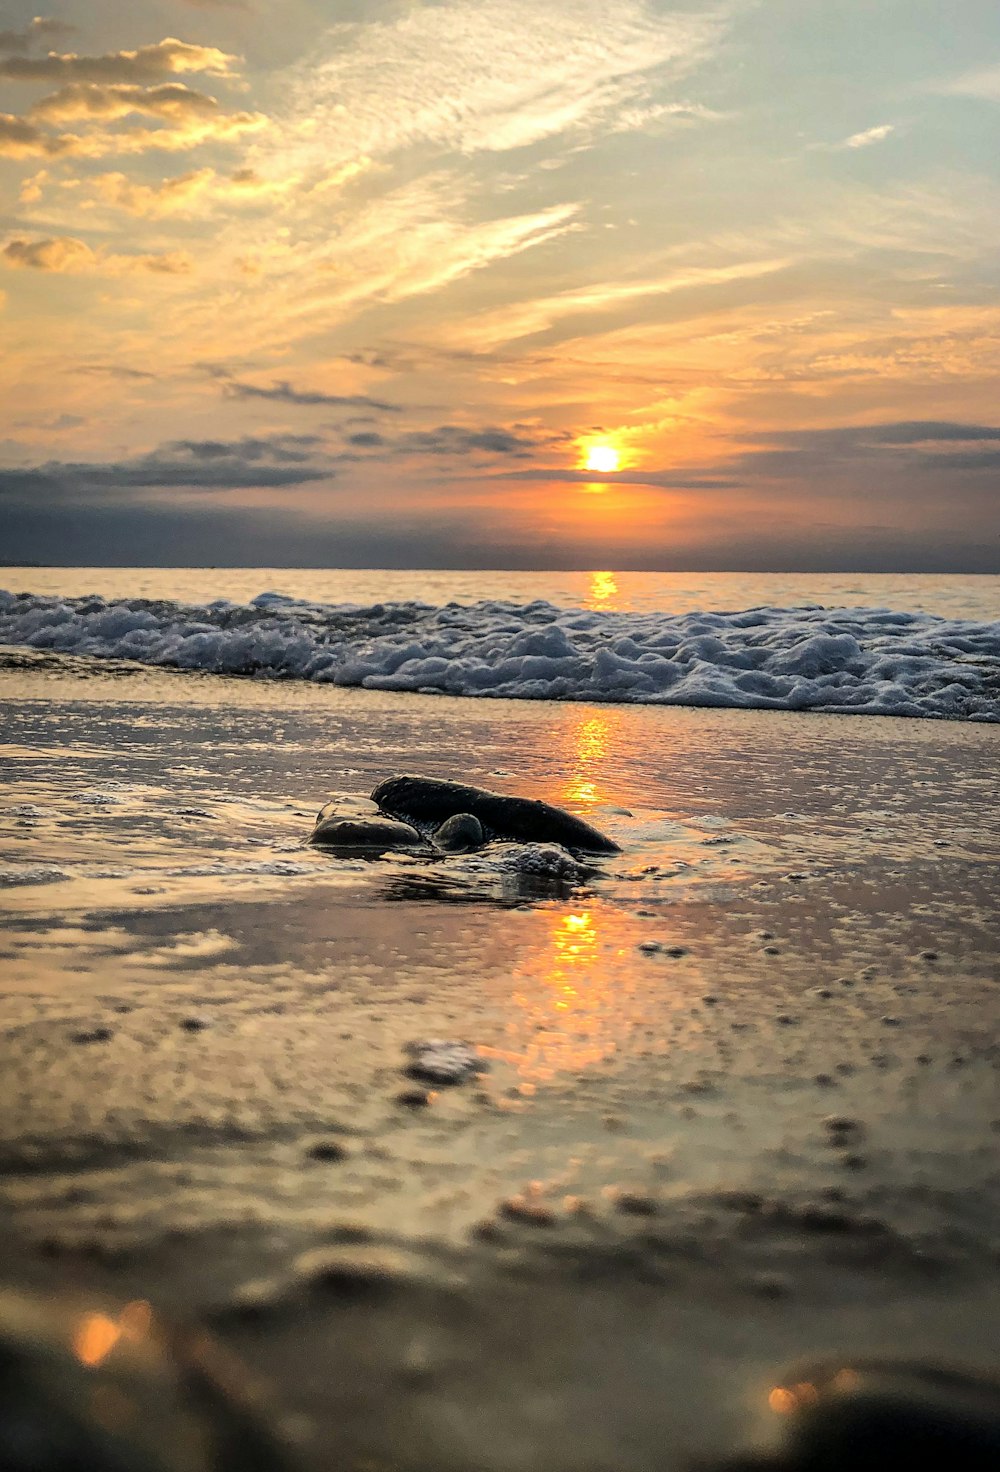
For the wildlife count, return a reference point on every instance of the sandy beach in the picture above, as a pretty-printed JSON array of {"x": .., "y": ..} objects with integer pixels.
[{"x": 742, "y": 1092}]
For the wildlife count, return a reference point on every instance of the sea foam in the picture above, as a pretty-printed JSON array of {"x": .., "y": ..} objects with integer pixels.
[{"x": 871, "y": 661}]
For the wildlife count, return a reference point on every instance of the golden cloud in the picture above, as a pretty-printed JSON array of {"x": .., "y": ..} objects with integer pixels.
[
  {"x": 21, "y": 139},
  {"x": 108, "y": 101},
  {"x": 66, "y": 254},
  {"x": 145, "y": 64}
]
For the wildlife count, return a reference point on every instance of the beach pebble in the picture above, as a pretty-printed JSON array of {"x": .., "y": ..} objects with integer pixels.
[
  {"x": 328, "y": 1150},
  {"x": 460, "y": 833},
  {"x": 650, "y": 947},
  {"x": 377, "y": 834},
  {"x": 413, "y": 1098},
  {"x": 438, "y": 1061},
  {"x": 528, "y": 1210},
  {"x": 840, "y": 1125},
  {"x": 194, "y": 1024},
  {"x": 635, "y": 1203}
]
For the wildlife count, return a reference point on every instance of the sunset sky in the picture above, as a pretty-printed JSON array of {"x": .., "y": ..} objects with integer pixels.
[{"x": 371, "y": 282}]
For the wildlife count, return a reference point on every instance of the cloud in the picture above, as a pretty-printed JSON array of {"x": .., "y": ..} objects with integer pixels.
[
  {"x": 197, "y": 120},
  {"x": 41, "y": 28},
  {"x": 64, "y": 253},
  {"x": 219, "y": 4},
  {"x": 493, "y": 76},
  {"x": 208, "y": 465},
  {"x": 145, "y": 64},
  {"x": 171, "y": 100},
  {"x": 983, "y": 84},
  {"x": 869, "y": 136},
  {"x": 21, "y": 139},
  {"x": 282, "y": 392},
  {"x": 456, "y": 439},
  {"x": 115, "y": 370}
]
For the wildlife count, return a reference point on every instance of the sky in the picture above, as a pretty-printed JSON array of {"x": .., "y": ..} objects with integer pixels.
[{"x": 392, "y": 283}]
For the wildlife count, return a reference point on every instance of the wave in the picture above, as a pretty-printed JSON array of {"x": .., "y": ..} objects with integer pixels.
[{"x": 871, "y": 661}]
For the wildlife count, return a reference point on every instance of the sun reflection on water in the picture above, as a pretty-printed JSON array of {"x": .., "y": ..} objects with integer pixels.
[{"x": 603, "y": 587}]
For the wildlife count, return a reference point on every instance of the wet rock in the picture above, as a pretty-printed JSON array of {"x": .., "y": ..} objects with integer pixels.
[
  {"x": 365, "y": 833},
  {"x": 872, "y": 1416},
  {"x": 460, "y": 834},
  {"x": 523, "y": 819},
  {"x": 93, "y": 1035},
  {"x": 109, "y": 1387},
  {"x": 195, "y": 1024},
  {"x": 437, "y": 1061}
]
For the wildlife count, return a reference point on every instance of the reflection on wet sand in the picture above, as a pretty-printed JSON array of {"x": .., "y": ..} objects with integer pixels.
[
  {"x": 574, "y": 1000},
  {"x": 591, "y": 736}
]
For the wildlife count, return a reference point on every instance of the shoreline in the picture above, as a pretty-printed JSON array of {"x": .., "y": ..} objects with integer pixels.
[{"x": 689, "y": 1221}]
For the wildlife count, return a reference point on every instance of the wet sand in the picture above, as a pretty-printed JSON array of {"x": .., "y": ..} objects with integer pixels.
[{"x": 772, "y": 1131}]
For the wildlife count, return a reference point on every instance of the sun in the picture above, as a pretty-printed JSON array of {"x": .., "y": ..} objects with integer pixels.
[{"x": 603, "y": 458}]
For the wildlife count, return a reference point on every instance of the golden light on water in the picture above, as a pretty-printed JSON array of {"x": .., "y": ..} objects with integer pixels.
[{"x": 603, "y": 587}]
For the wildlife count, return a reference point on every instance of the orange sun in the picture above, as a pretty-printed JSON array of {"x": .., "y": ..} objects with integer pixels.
[{"x": 602, "y": 458}]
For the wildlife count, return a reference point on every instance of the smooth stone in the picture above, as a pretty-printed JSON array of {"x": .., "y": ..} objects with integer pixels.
[
  {"x": 460, "y": 833},
  {"x": 873, "y": 1416},
  {"x": 348, "y": 805},
  {"x": 375, "y": 833},
  {"x": 523, "y": 819},
  {"x": 87, "y": 1383}
]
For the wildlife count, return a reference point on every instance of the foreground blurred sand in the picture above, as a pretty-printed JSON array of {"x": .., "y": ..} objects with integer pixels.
[{"x": 681, "y": 1171}]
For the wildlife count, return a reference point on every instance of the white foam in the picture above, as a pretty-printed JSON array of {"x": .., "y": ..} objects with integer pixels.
[{"x": 870, "y": 661}]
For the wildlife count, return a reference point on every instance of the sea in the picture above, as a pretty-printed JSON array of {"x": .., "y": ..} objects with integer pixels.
[
  {"x": 924, "y": 645},
  {"x": 732, "y": 1098}
]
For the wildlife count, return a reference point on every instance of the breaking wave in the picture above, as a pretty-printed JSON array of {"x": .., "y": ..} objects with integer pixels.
[{"x": 871, "y": 661}]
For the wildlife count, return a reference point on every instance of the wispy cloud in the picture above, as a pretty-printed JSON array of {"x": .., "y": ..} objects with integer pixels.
[
  {"x": 282, "y": 392},
  {"x": 982, "y": 83},
  {"x": 493, "y": 76}
]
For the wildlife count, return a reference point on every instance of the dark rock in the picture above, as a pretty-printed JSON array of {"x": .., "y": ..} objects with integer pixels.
[
  {"x": 460, "y": 834},
  {"x": 523, "y": 819},
  {"x": 93, "y": 1035},
  {"x": 873, "y": 1416},
  {"x": 365, "y": 833},
  {"x": 96, "y": 1386}
]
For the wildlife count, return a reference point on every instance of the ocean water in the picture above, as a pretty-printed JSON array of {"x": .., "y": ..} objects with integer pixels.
[{"x": 888, "y": 645}]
